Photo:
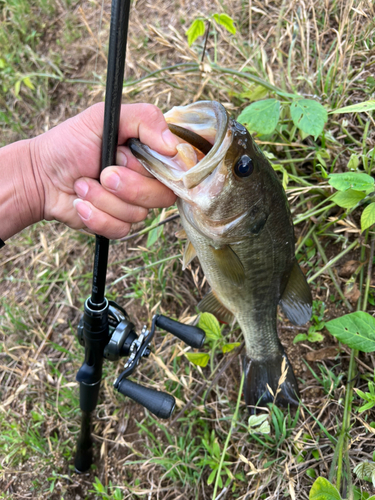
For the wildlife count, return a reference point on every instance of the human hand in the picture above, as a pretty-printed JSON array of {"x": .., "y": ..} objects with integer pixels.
[{"x": 66, "y": 162}]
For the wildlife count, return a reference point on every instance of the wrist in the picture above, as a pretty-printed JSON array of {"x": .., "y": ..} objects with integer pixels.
[{"x": 21, "y": 194}]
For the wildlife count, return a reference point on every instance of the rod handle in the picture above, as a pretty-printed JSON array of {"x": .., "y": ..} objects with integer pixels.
[
  {"x": 159, "y": 403},
  {"x": 191, "y": 335}
]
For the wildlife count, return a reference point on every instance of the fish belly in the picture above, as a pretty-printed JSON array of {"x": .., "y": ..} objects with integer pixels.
[{"x": 254, "y": 303}]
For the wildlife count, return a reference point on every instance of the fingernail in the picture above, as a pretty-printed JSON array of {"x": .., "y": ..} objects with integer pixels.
[
  {"x": 84, "y": 211},
  {"x": 169, "y": 139},
  {"x": 121, "y": 159},
  {"x": 111, "y": 181},
  {"x": 81, "y": 187}
]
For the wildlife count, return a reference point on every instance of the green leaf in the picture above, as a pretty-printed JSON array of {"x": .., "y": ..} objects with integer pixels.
[
  {"x": 2, "y": 63},
  {"x": 356, "y": 108},
  {"x": 198, "y": 358},
  {"x": 255, "y": 93},
  {"x": 259, "y": 424},
  {"x": 315, "y": 337},
  {"x": 261, "y": 116},
  {"x": 353, "y": 162},
  {"x": 197, "y": 28},
  {"x": 28, "y": 83},
  {"x": 255, "y": 420},
  {"x": 368, "y": 216},
  {"x": 351, "y": 180},
  {"x": 211, "y": 477},
  {"x": 17, "y": 88},
  {"x": 322, "y": 489},
  {"x": 299, "y": 338},
  {"x": 155, "y": 233},
  {"x": 348, "y": 199},
  {"x": 226, "y": 21},
  {"x": 229, "y": 347},
  {"x": 356, "y": 330},
  {"x": 210, "y": 325},
  {"x": 364, "y": 470},
  {"x": 309, "y": 116}
]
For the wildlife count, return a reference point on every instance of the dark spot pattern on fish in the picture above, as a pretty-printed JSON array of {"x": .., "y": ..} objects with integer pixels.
[{"x": 258, "y": 226}]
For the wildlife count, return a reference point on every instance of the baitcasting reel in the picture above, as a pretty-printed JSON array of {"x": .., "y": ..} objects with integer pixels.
[{"x": 122, "y": 341}]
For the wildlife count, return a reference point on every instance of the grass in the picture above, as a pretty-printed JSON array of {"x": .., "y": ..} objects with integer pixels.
[{"x": 316, "y": 49}]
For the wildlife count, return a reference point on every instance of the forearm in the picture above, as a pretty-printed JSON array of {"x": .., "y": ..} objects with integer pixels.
[{"x": 21, "y": 202}]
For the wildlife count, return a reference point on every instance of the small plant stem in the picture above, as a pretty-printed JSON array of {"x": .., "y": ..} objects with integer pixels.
[
  {"x": 369, "y": 273},
  {"x": 333, "y": 261},
  {"x": 333, "y": 278},
  {"x": 304, "y": 239},
  {"x": 205, "y": 39},
  {"x": 343, "y": 439},
  {"x": 341, "y": 451},
  {"x": 150, "y": 228},
  {"x": 138, "y": 270},
  {"x": 215, "y": 45},
  {"x": 364, "y": 148},
  {"x": 313, "y": 213},
  {"x": 290, "y": 56},
  {"x": 254, "y": 79},
  {"x": 233, "y": 423},
  {"x": 372, "y": 161}
]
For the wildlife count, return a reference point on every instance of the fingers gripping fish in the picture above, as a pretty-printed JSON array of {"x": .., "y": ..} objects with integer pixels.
[{"x": 237, "y": 219}]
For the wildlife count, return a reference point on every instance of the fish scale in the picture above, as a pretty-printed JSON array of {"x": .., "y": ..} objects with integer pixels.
[{"x": 238, "y": 223}]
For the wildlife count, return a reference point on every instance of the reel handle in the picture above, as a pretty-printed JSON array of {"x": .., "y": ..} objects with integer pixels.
[
  {"x": 191, "y": 335},
  {"x": 159, "y": 403}
]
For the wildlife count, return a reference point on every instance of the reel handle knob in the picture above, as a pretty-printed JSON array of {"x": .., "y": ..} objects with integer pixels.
[
  {"x": 191, "y": 335},
  {"x": 159, "y": 403}
]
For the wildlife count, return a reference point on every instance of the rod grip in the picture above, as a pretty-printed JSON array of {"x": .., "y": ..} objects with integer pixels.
[
  {"x": 159, "y": 403},
  {"x": 191, "y": 335}
]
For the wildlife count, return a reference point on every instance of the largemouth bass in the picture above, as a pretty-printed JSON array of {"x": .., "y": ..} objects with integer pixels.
[{"x": 237, "y": 220}]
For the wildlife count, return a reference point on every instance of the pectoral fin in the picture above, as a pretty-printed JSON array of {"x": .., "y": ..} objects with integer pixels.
[
  {"x": 210, "y": 303},
  {"x": 296, "y": 301},
  {"x": 229, "y": 264},
  {"x": 189, "y": 254}
]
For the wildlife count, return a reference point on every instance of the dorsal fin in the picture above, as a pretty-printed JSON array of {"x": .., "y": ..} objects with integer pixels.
[
  {"x": 229, "y": 264},
  {"x": 189, "y": 254},
  {"x": 210, "y": 303},
  {"x": 296, "y": 301}
]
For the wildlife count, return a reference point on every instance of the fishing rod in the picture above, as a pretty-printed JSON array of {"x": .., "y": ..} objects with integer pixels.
[{"x": 105, "y": 329}]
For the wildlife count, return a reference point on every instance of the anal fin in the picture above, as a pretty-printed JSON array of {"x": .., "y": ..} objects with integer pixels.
[
  {"x": 296, "y": 301},
  {"x": 260, "y": 375},
  {"x": 210, "y": 303}
]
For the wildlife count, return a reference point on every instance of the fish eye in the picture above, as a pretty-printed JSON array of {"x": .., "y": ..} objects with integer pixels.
[{"x": 244, "y": 166}]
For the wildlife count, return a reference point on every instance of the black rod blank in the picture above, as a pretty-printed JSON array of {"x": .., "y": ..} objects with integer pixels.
[{"x": 115, "y": 78}]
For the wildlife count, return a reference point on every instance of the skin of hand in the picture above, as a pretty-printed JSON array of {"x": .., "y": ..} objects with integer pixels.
[{"x": 66, "y": 161}]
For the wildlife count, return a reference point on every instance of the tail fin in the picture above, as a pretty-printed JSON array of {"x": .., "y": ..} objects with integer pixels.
[{"x": 261, "y": 374}]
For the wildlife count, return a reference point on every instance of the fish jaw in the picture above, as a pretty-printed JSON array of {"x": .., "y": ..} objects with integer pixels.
[{"x": 208, "y": 119}]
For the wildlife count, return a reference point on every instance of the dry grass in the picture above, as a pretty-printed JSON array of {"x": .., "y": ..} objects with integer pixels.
[{"x": 318, "y": 48}]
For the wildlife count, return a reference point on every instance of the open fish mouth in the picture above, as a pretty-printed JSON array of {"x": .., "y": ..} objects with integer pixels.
[{"x": 204, "y": 129}]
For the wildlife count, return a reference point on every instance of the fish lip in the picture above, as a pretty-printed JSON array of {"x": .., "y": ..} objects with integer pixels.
[{"x": 194, "y": 176}]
